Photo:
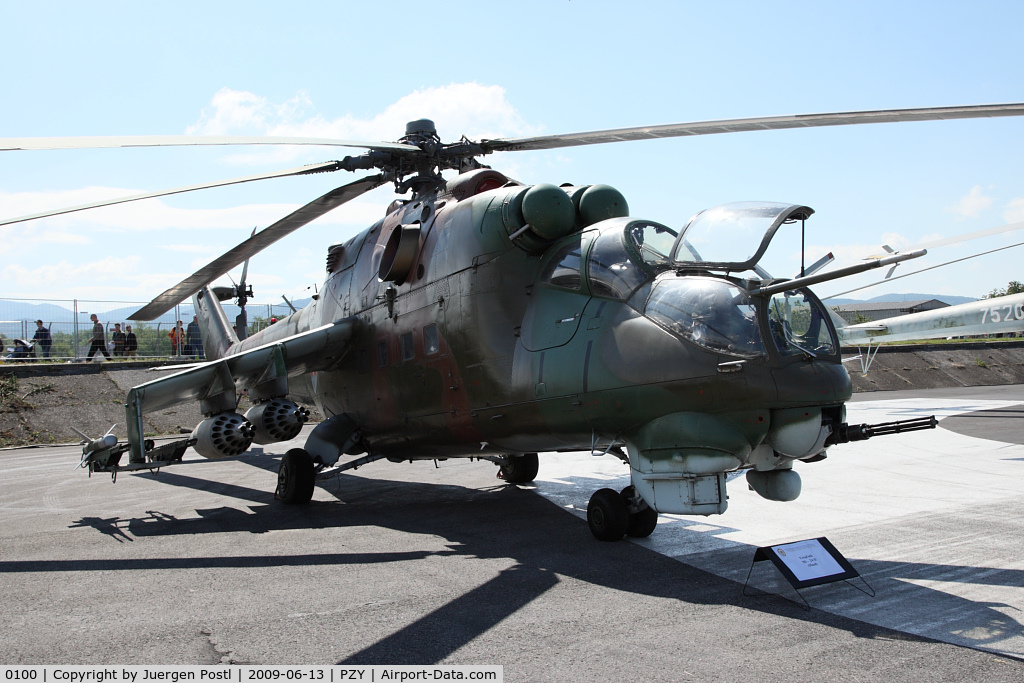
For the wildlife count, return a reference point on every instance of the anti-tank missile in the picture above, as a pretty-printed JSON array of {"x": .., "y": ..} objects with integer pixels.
[{"x": 102, "y": 443}]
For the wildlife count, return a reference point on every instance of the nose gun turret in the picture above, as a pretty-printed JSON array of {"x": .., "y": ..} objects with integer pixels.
[{"x": 845, "y": 433}]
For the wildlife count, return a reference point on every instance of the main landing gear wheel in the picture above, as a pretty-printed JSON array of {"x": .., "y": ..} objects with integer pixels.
[
  {"x": 295, "y": 478},
  {"x": 644, "y": 520},
  {"x": 521, "y": 469},
  {"x": 607, "y": 515}
]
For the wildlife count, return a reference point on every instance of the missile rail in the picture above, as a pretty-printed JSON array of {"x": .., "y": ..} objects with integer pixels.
[{"x": 109, "y": 459}]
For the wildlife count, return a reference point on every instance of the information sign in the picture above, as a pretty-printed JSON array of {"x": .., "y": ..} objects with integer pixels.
[{"x": 811, "y": 562}]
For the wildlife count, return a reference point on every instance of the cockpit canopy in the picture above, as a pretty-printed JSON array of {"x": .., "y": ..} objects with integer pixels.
[
  {"x": 708, "y": 312},
  {"x": 632, "y": 260},
  {"x": 626, "y": 254},
  {"x": 715, "y": 238}
]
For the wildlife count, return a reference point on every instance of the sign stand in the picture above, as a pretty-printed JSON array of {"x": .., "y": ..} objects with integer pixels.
[{"x": 807, "y": 563}]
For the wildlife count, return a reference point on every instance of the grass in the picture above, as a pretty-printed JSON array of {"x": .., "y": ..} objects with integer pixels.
[
  {"x": 8, "y": 388},
  {"x": 9, "y": 399}
]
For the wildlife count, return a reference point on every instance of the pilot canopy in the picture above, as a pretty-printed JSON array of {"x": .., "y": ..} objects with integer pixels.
[{"x": 735, "y": 237}]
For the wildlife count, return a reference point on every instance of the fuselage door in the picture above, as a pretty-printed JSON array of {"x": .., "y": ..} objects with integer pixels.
[{"x": 558, "y": 299}]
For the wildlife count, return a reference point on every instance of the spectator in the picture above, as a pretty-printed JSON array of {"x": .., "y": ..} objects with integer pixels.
[
  {"x": 99, "y": 342},
  {"x": 42, "y": 339},
  {"x": 131, "y": 342},
  {"x": 119, "y": 340},
  {"x": 177, "y": 335},
  {"x": 193, "y": 340}
]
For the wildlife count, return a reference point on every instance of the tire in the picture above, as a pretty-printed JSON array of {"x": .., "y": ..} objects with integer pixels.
[
  {"x": 295, "y": 478},
  {"x": 644, "y": 521},
  {"x": 607, "y": 515},
  {"x": 521, "y": 469}
]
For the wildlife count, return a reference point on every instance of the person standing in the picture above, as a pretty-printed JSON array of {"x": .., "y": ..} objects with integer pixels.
[
  {"x": 42, "y": 339},
  {"x": 118, "y": 338},
  {"x": 193, "y": 340},
  {"x": 99, "y": 341},
  {"x": 131, "y": 342},
  {"x": 177, "y": 335}
]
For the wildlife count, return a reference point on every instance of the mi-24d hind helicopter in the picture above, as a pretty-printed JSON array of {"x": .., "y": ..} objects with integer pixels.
[{"x": 485, "y": 318}]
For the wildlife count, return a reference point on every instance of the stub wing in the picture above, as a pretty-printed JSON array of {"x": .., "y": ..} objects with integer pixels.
[{"x": 217, "y": 381}]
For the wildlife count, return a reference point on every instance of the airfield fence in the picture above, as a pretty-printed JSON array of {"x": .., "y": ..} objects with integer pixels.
[{"x": 71, "y": 329}]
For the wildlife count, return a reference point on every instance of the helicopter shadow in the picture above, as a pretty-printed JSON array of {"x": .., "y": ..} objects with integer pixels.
[{"x": 108, "y": 527}]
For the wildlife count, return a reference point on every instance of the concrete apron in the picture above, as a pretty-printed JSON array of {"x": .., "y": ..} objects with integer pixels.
[{"x": 934, "y": 520}]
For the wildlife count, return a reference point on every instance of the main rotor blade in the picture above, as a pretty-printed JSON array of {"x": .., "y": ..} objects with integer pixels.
[
  {"x": 740, "y": 125},
  {"x": 324, "y": 167},
  {"x": 957, "y": 239},
  {"x": 254, "y": 245},
  {"x": 966, "y": 237},
  {"x": 110, "y": 141}
]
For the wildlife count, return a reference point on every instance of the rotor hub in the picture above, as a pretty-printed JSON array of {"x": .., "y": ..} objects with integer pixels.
[{"x": 420, "y": 127}]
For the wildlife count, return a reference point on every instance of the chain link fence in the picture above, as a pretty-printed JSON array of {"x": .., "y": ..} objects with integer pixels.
[{"x": 70, "y": 328}]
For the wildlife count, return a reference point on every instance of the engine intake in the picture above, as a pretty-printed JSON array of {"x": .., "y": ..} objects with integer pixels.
[
  {"x": 278, "y": 419},
  {"x": 223, "y": 436}
]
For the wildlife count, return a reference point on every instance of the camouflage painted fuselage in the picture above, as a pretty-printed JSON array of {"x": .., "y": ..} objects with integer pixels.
[{"x": 521, "y": 365}]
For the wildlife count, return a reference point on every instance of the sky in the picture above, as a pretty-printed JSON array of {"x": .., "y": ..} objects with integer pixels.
[{"x": 361, "y": 70}]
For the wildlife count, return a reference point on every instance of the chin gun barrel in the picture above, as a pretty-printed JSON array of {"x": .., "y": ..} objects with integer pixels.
[{"x": 845, "y": 433}]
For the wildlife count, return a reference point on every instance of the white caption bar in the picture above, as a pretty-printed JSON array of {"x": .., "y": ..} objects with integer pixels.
[{"x": 247, "y": 674}]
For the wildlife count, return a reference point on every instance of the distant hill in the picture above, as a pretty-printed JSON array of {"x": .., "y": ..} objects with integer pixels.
[{"x": 947, "y": 298}]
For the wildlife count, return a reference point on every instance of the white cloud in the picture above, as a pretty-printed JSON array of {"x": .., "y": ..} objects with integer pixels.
[
  {"x": 972, "y": 204},
  {"x": 133, "y": 251},
  {"x": 471, "y": 109},
  {"x": 1014, "y": 212},
  {"x": 16, "y": 238},
  {"x": 155, "y": 214},
  {"x": 894, "y": 240},
  {"x": 106, "y": 278},
  {"x": 236, "y": 112}
]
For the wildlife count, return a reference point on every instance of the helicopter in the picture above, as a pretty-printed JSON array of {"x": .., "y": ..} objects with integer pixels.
[{"x": 481, "y": 317}]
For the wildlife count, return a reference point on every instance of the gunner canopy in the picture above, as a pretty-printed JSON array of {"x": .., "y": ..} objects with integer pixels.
[{"x": 708, "y": 312}]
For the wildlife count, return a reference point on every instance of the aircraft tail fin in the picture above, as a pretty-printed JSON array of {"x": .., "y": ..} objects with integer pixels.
[{"x": 217, "y": 332}]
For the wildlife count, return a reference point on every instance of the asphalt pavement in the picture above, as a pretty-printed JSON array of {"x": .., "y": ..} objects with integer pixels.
[{"x": 443, "y": 563}]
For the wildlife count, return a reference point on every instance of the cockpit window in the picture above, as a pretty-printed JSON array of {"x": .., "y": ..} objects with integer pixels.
[
  {"x": 563, "y": 270},
  {"x": 798, "y": 325},
  {"x": 711, "y": 313},
  {"x": 734, "y": 237},
  {"x": 653, "y": 242},
  {"x": 611, "y": 271}
]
